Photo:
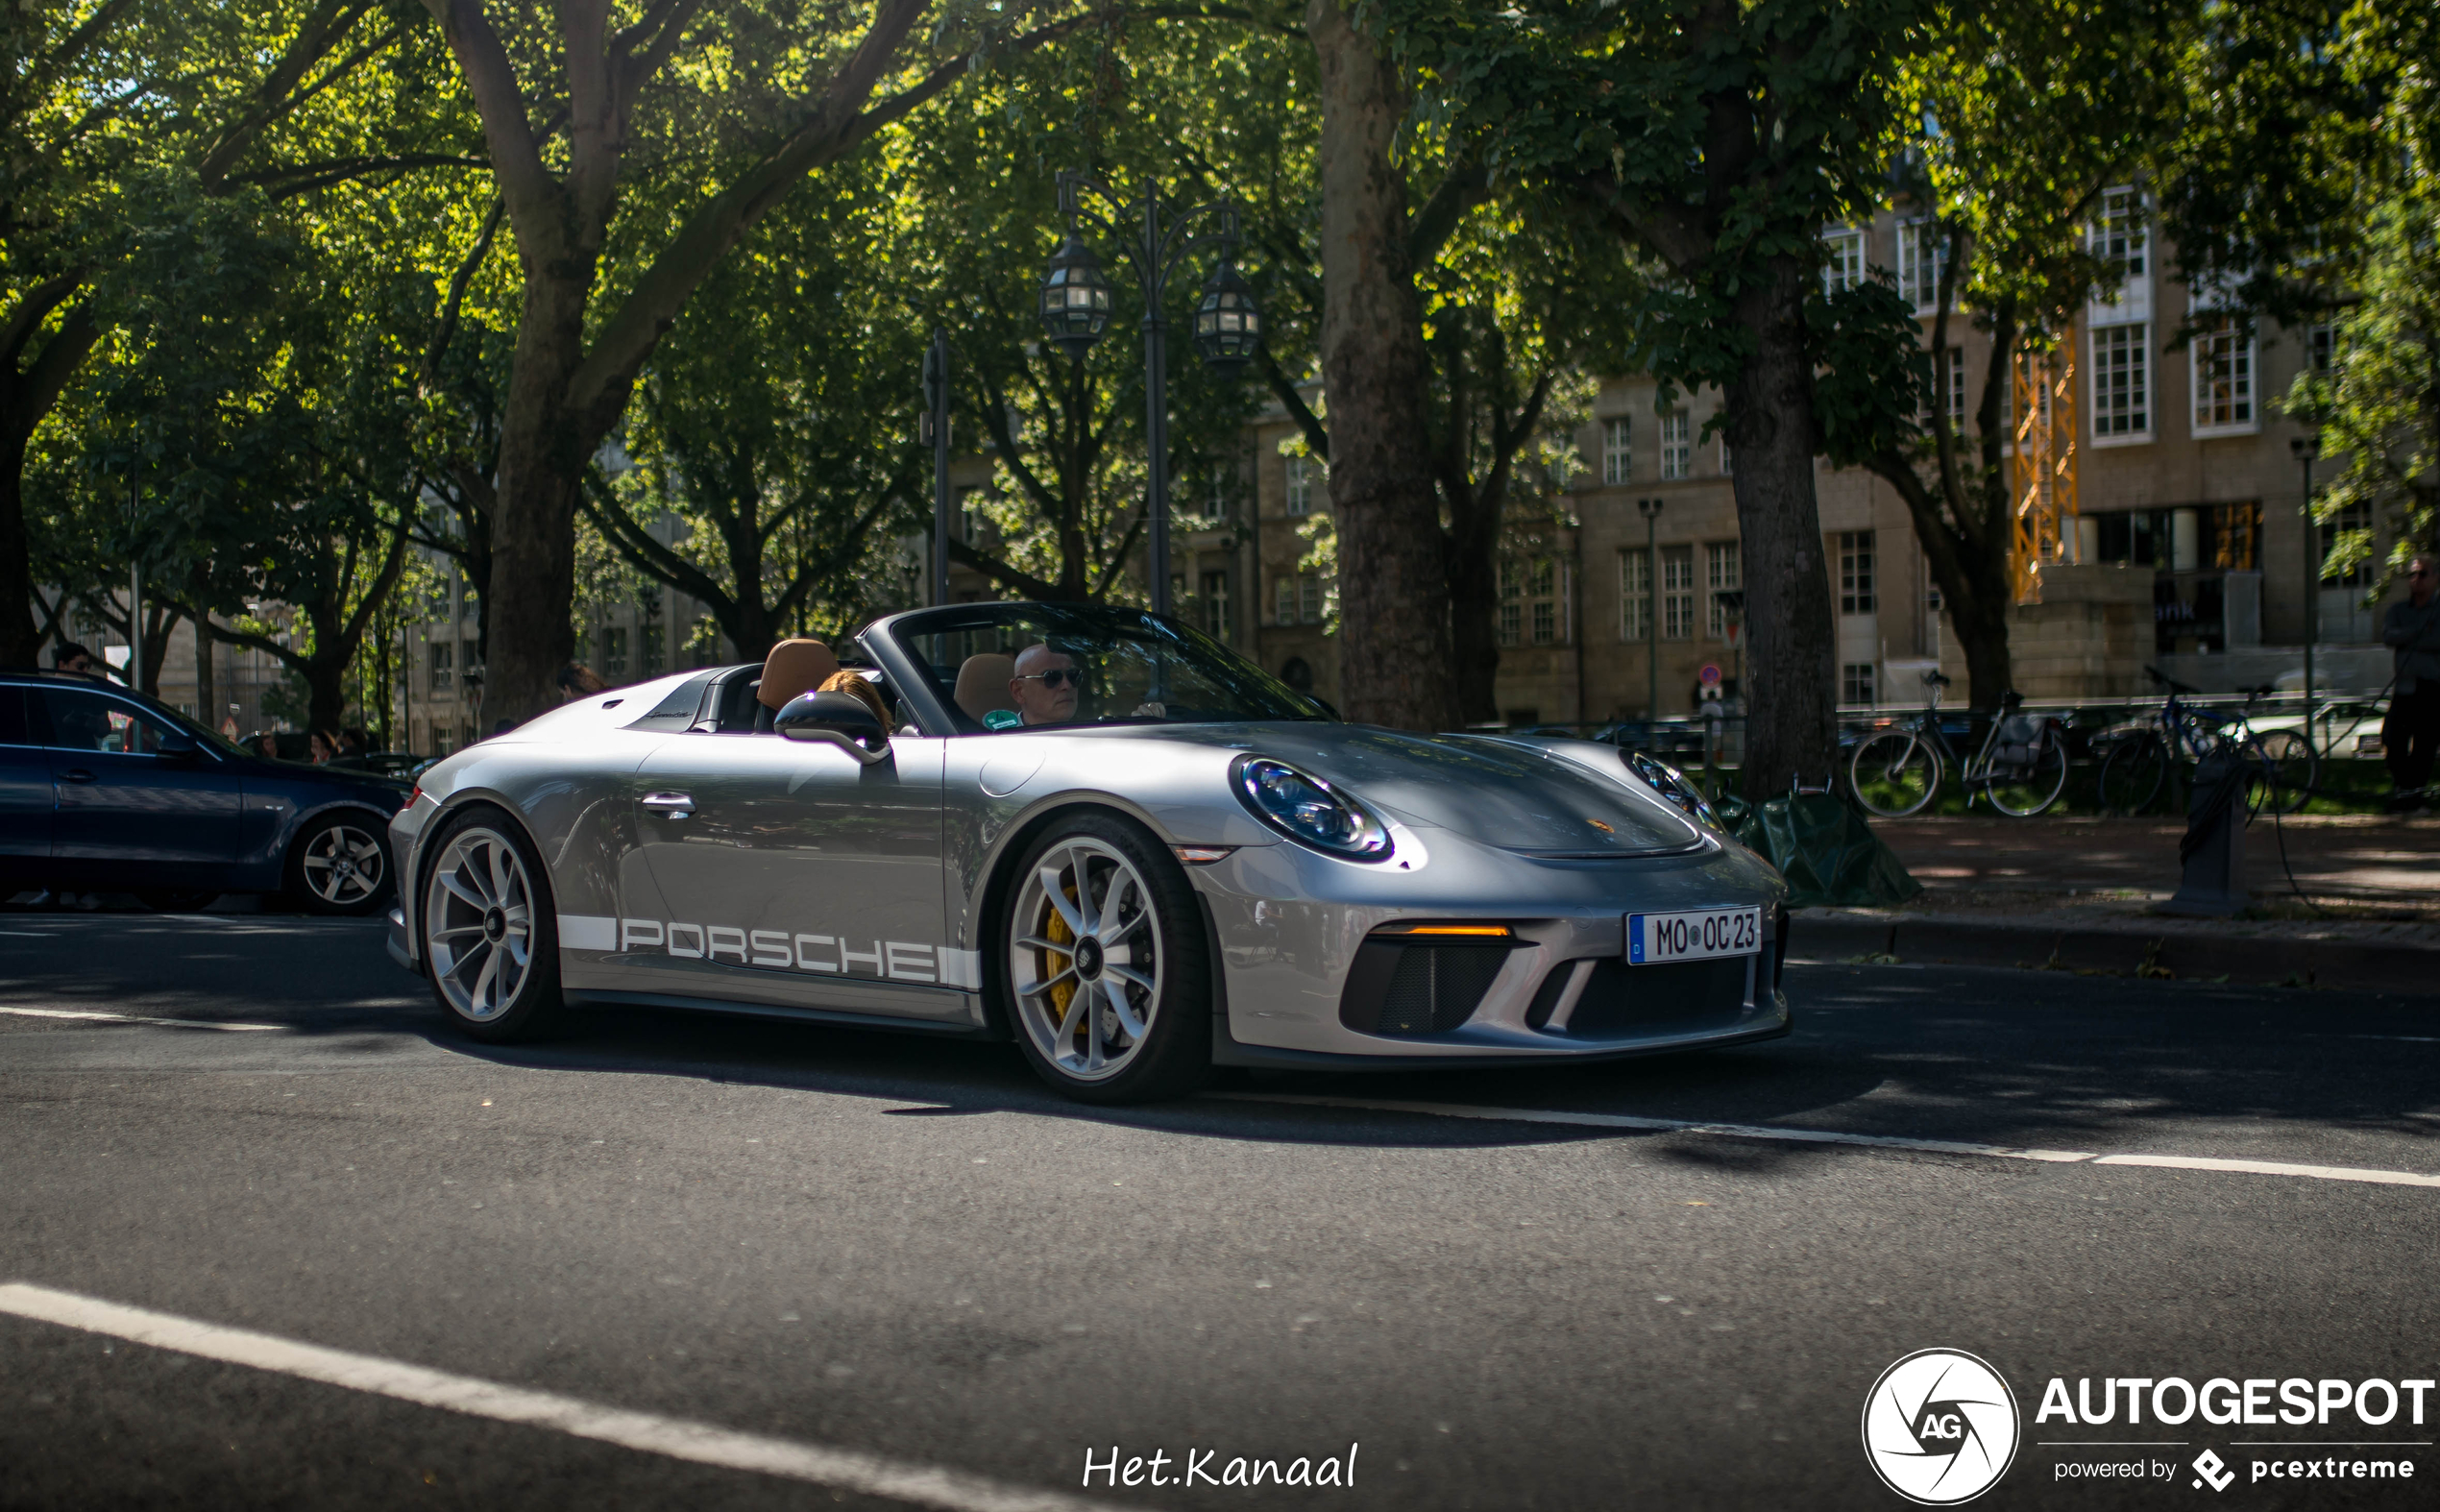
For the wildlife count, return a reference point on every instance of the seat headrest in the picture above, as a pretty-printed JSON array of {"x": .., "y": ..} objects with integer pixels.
[
  {"x": 983, "y": 683},
  {"x": 794, "y": 667}
]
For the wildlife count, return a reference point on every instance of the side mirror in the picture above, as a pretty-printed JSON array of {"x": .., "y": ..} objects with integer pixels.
[
  {"x": 839, "y": 719},
  {"x": 179, "y": 746}
]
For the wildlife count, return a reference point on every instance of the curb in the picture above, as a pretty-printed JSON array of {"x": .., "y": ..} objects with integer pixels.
[{"x": 2241, "y": 960}]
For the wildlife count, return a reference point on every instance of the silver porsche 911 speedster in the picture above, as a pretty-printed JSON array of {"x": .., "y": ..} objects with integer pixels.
[{"x": 1096, "y": 832}]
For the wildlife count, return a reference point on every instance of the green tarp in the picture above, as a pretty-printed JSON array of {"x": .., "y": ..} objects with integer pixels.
[{"x": 1829, "y": 855}]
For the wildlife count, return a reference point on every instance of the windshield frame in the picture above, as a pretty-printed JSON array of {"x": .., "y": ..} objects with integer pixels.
[{"x": 888, "y": 642}]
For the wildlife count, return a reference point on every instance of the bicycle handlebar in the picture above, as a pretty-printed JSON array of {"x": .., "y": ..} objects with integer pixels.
[{"x": 2171, "y": 683}]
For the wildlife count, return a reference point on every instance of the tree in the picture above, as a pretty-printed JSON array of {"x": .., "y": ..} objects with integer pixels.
[
  {"x": 237, "y": 96},
  {"x": 1065, "y": 517},
  {"x": 778, "y": 422},
  {"x": 1395, "y": 654},
  {"x": 737, "y": 107},
  {"x": 1719, "y": 138},
  {"x": 2021, "y": 118}
]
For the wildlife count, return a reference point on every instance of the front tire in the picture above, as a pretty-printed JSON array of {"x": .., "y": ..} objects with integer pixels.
[
  {"x": 1894, "y": 773},
  {"x": 2132, "y": 774},
  {"x": 2022, "y": 793},
  {"x": 490, "y": 937},
  {"x": 341, "y": 864},
  {"x": 1107, "y": 981}
]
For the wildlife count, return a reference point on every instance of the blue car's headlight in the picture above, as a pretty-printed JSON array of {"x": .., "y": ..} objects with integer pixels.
[{"x": 1307, "y": 809}]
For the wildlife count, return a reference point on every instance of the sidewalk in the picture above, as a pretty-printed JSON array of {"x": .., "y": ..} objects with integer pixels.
[{"x": 2077, "y": 895}]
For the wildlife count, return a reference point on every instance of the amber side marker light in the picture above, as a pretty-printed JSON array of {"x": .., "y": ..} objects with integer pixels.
[{"x": 1494, "y": 931}]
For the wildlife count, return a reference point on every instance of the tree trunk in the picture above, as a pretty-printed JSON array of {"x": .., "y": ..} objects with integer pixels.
[
  {"x": 1393, "y": 586},
  {"x": 1791, "y": 671},
  {"x": 1473, "y": 608},
  {"x": 207, "y": 686},
  {"x": 20, "y": 638},
  {"x": 532, "y": 585}
]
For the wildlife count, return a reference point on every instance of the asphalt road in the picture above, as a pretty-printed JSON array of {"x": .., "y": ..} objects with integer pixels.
[{"x": 911, "y": 1251}]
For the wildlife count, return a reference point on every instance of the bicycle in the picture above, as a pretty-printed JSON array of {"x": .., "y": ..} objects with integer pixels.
[
  {"x": 2283, "y": 764},
  {"x": 2021, "y": 766}
]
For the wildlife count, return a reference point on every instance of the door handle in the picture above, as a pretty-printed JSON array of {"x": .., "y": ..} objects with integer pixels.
[
  {"x": 78, "y": 774},
  {"x": 674, "y": 805}
]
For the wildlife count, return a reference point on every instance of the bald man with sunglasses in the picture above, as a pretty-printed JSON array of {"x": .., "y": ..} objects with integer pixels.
[{"x": 1045, "y": 686}]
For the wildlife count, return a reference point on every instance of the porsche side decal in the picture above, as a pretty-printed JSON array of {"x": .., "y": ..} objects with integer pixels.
[{"x": 776, "y": 949}]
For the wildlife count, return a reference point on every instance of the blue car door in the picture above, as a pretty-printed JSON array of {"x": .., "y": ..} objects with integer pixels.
[
  {"x": 25, "y": 792},
  {"x": 129, "y": 813}
]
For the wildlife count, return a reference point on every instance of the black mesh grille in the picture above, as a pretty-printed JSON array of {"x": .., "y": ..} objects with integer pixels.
[
  {"x": 1398, "y": 989},
  {"x": 1684, "y": 998}
]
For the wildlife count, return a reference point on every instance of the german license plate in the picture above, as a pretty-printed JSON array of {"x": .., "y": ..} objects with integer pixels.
[{"x": 1656, "y": 939}]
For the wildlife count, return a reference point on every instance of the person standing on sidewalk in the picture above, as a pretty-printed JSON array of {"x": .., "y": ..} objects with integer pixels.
[{"x": 2411, "y": 734}]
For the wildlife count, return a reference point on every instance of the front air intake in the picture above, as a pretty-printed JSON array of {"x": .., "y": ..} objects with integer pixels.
[{"x": 1408, "y": 987}]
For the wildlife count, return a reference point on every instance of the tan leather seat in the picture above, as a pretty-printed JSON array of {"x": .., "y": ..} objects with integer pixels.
[
  {"x": 983, "y": 684},
  {"x": 794, "y": 667}
]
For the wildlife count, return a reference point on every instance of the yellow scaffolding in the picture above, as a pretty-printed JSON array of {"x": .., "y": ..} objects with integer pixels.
[{"x": 2042, "y": 469}]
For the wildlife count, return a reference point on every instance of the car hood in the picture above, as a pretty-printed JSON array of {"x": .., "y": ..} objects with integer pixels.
[{"x": 1516, "y": 797}]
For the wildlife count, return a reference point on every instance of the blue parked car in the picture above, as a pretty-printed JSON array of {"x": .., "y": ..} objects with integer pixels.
[{"x": 104, "y": 789}]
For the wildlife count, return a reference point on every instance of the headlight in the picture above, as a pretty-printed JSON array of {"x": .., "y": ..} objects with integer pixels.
[
  {"x": 1671, "y": 784},
  {"x": 1307, "y": 809}
]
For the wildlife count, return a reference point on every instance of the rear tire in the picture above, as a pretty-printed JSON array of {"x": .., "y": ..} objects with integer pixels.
[
  {"x": 2132, "y": 774},
  {"x": 490, "y": 938},
  {"x": 1894, "y": 773},
  {"x": 2292, "y": 769},
  {"x": 2023, "y": 794},
  {"x": 1106, "y": 981}
]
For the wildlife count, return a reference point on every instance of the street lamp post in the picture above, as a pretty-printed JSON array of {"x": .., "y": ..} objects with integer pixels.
[
  {"x": 1651, "y": 512},
  {"x": 1075, "y": 305},
  {"x": 935, "y": 426},
  {"x": 2306, "y": 447}
]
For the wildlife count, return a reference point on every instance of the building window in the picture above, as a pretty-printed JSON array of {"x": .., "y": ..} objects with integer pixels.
[
  {"x": 1215, "y": 606},
  {"x": 1841, "y": 261},
  {"x": 1727, "y": 469},
  {"x": 1635, "y": 595},
  {"x": 1855, "y": 683},
  {"x": 443, "y": 674},
  {"x": 1677, "y": 592},
  {"x": 1722, "y": 573},
  {"x": 1856, "y": 594},
  {"x": 1955, "y": 388},
  {"x": 2321, "y": 349},
  {"x": 614, "y": 652},
  {"x": 2223, "y": 378},
  {"x": 2116, "y": 236},
  {"x": 1677, "y": 445},
  {"x": 1302, "y": 472},
  {"x": 440, "y": 739},
  {"x": 469, "y": 663},
  {"x": 650, "y": 658},
  {"x": 1308, "y": 599},
  {"x": 1922, "y": 258},
  {"x": 2121, "y": 383},
  {"x": 1529, "y": 600},
  {"x": 1617, "y": 457}
]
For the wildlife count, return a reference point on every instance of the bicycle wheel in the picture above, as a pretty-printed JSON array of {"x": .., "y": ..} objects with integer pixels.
[
  {"x": 1894, "y": 773},
  {"x": 2024, "y": 789},
  {"x": 2132, "y": 774},
  {"x": 2292, "y": 769}
]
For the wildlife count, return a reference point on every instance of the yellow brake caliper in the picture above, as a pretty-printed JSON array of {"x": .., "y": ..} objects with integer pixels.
[{"x": 1057, "y": 933}]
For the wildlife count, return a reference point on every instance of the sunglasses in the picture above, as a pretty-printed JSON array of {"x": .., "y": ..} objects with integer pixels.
[{"x": 1056, "y": 677}]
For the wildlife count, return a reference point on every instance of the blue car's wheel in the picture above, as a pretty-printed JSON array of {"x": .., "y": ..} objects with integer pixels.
[{"x": 341, "y": 864}]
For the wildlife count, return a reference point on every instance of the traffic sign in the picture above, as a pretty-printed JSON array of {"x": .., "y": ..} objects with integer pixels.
[{"x": 1709, "y": 677}]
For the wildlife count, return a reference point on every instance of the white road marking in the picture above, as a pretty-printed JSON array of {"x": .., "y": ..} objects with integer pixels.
[
  {"x": 1549, "y": 1116},
  {"x": 676, "y": 1438},
  {"x": 132, "y": 1018},
  {"x": 26, "y": 934}
]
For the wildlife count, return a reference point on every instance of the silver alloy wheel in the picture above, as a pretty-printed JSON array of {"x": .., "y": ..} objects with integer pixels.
[
  {"x": 344, "y": 865},
  {"x": 1085, "y": 959},
  {"x": 478, "y": 924}
]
